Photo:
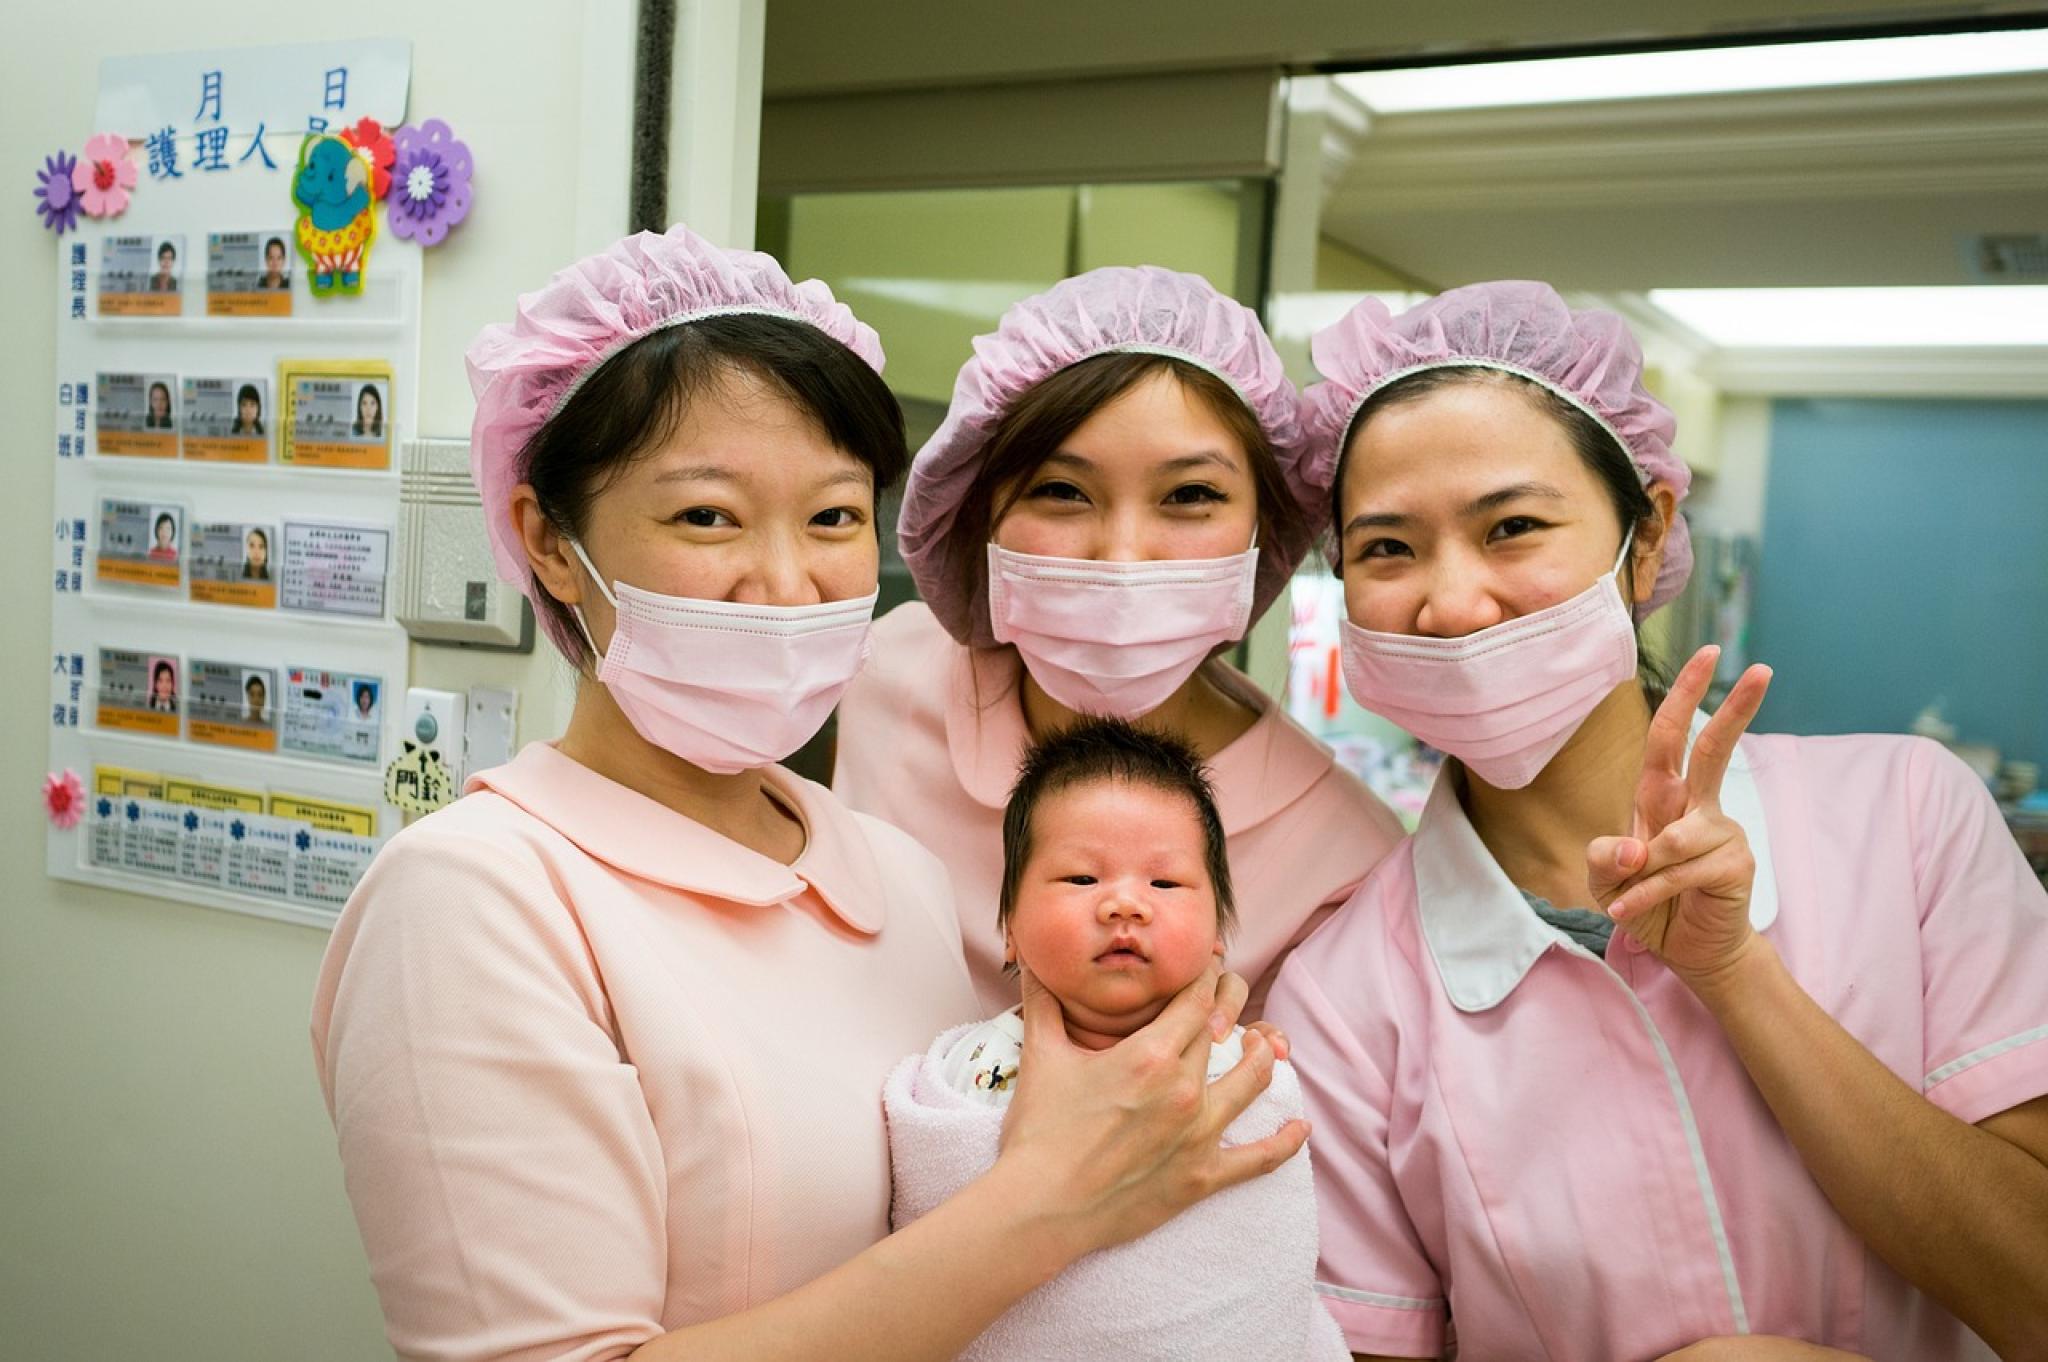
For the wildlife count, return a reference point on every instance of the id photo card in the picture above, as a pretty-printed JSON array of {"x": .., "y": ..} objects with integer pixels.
[
  {"x": 136, "y": 414},
  {"x": 142, "y": 544},
  {"x": 227, "y": 420}
]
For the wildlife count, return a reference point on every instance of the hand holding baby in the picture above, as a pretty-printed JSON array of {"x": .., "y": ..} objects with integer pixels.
[{"x": 1150, "y": 1124}]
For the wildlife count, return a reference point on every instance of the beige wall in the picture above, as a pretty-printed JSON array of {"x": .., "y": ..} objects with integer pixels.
[
  {"x": 932, "y": 269},
  {"x": 1340, "y": 269},
  {"x": 168, "y": 1184}
]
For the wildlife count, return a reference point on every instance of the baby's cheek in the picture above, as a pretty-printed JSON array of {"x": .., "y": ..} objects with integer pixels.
[
  {"x": 1181, "y": 951},
  {"x": 1053, "y": 945}
]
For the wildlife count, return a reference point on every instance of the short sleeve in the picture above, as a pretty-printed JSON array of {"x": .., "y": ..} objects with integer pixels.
[
  {"x": 1373, "y": 1274},
  {"x": 1984, "y": 944},
  {"x": 499, "y": 1154}
]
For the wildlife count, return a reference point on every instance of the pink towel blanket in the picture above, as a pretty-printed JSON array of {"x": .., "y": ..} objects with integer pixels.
[{"x": 1231, "y": 1278}]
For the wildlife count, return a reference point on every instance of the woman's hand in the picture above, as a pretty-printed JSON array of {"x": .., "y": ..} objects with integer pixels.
[
  {"x": 1679, "y": 882},
  {"x": 1119, "y": 1141},
  {"x": 1759, "y": 1348}
]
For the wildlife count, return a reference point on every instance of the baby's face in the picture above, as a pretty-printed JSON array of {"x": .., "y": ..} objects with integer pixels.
[{"x": 1114, "y": 912}]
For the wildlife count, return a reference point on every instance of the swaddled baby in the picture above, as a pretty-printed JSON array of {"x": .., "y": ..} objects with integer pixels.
[{"x": 1116, "y": 895}]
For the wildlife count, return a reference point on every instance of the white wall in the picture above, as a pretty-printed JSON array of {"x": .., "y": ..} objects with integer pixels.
[
  {"x": 168, "y": 1184},
  {"x": 1731, "y": 501}
]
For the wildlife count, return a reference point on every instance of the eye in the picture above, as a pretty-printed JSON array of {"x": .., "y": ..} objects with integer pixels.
[
  {"x": 1385, "y": 548},
  {"x": 1515, "y": 526},
  {"x": 1195, "y": 494},
  {"x": 1078, "y": 879},
  {"x": 840, "y": 518},
  {"x": 1057, "y": 489},
  {"x": 1168, "y": 884},
  {"x": 702, "y": 518}
]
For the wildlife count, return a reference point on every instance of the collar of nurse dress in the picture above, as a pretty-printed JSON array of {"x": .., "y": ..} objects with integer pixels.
[
  {"x": 1265, "y": 769},
  {"x": 650, "y": 841},
  {"x": 1479, "y": 927}
]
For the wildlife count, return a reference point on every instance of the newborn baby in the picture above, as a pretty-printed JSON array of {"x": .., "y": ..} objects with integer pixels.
[{"x": 1116, "y": 895}]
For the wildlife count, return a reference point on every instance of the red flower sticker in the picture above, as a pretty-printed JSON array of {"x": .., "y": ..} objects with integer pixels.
[{"x": 369, "y": 141}]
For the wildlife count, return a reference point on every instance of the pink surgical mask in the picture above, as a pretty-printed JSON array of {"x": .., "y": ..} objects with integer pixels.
[
  {"x": 722, "y": 685},
  {"x": 1117, "y": 638},
  {"x": 1506, "y": 699}
]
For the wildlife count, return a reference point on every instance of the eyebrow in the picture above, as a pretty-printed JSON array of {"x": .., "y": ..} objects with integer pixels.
[
  {"x": 1491, "y": 501},
  {"x": 713, "y": 472},
  {"x": 1173, "y": 465},
  {"x": 700, "y": 472}
]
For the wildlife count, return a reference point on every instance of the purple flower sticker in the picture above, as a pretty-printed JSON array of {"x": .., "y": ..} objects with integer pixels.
[
  {"x": 429, "y": 182},
  {"x": 56, "y": 200}
]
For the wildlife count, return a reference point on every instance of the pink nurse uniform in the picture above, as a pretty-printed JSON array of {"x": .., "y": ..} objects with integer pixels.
[
  {"x": 930, "y": 735},
  {"x": 599, "y": 1072},
  {"x": 1563, "y": 1158}
]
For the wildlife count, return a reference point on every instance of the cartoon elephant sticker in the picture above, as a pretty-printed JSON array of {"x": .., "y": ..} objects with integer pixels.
[{"x": 337, "y": 218}]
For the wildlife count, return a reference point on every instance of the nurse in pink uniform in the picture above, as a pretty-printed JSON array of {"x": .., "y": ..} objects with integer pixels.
[
  {"x": 1117, "y": 492},
  {"x": 1655, "y": 1034},
  {"x": 604, "y": 1041}
]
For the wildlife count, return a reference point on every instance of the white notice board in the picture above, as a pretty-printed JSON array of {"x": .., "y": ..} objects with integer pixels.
[{"x": 226, "y": 675}]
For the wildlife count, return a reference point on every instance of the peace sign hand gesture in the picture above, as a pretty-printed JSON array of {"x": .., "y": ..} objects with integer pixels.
[{"x": 1679, "y": 882}]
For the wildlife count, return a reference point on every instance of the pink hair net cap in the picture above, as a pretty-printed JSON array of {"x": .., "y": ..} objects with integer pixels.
[
  {"x": 1589, "y": 358},
  {"x": 1118, "y": 309},
  {"x": 523, "y": 372}
]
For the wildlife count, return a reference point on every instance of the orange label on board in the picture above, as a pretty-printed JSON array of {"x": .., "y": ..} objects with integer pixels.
[
  {"x": 138, "y": 572},
  {"x": 234, "y": 735},
  {"x": 164, "y": 304},
  {"x": 260, "y": 595},
  {"x": 227, "y": 448},
  {"x": 340, "y": 454},
  {"x": 145, "y": 444},
  {"x": 268, "y": 303},
  {"x": 122, "y": 719}
]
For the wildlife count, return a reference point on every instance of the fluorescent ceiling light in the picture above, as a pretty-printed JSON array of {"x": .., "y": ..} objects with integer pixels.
[
  {"x": 2015, "y": 314},
  {"x": 1573, "y": 80}
]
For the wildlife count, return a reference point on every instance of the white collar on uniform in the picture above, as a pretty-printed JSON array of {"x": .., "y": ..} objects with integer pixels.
[{"x": 1480, "y": 929}]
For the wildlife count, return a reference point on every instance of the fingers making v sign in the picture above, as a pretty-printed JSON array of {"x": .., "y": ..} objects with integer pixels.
[{"x": 1679, "y": 882}]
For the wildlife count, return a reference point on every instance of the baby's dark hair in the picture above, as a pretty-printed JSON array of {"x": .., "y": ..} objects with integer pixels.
[{"x": 1111, "y": 749}]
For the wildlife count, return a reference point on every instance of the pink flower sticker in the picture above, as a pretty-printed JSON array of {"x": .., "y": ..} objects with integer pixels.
[
  {"x": 63, "y": 799},
  {"x": 105, "y": 175}
]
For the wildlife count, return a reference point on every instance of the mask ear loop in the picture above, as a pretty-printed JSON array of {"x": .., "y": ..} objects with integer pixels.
[
  {"x": 603, "y": 590},
  {"x": 1628, "y": 541}
]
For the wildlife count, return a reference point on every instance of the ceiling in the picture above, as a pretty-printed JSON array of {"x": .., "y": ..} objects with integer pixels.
[
  {"x": 1870, "y": 185},
  {"x": 827, "y": 46}
]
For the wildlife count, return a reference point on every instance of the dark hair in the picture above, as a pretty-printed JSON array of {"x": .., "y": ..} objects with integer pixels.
[
  {"x": 167, "y": 249},
  {"x": 160, "y": 386},
  {"x": 164, "y": 518},
  {"x": 1046, "y": 413},
  {"x": 276, "y": 241},
  {"x": 634, "y": 401},
  {"x": 1599, "y": 450},
  {"x": 163, "y": 666},
  {"x": 254, "y": 680},
  {"x": 1099, "y": 749},
  {"x": 247, "y": 393},
  {"x": 370, "y": 390},
  {"x": 365, "y": 689}
]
